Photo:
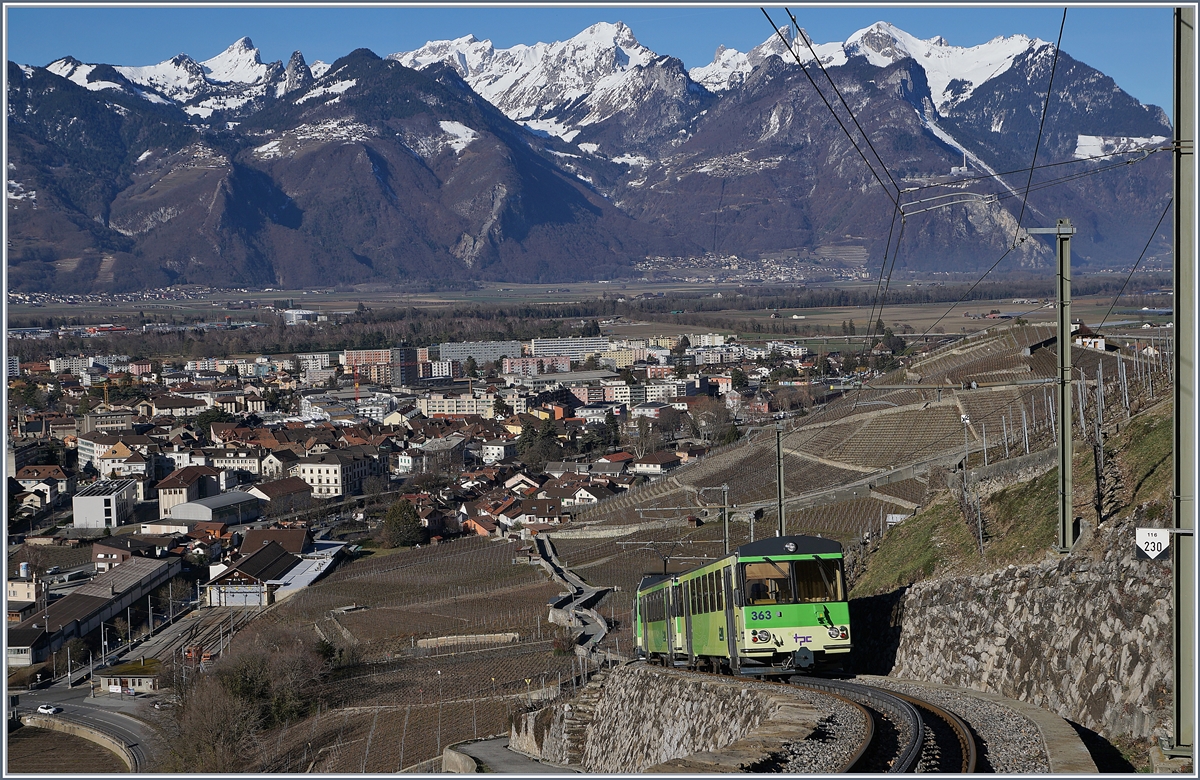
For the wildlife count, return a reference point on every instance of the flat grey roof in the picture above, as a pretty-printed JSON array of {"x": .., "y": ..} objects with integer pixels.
[
  {"x": 224, "y": 499},
  {"x": 105, "y": 487},
  {"x": 128, "y": 575}
]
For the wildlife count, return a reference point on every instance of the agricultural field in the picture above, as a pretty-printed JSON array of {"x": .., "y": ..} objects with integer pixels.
[{"x": 400, "y": 703}]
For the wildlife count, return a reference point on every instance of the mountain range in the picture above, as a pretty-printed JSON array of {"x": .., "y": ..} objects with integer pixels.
[{"x": 568, "y": 160}]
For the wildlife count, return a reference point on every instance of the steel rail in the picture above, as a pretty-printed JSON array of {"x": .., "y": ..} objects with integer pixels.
[
  {"x": 901, "y": 711},
  {"x": 868, "y": 738},
  {"x": 965, "y": 738}
]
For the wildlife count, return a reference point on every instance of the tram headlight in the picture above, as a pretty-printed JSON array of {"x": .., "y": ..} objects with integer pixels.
[
  {"x": 764, "y": 635},
  {"x": 833, "y": 632},
  {"x": 790, "y": 547}
]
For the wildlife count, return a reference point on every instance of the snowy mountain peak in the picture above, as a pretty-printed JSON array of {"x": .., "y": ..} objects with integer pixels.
[
  {"x": 730, "y": 67},
  {"x": 237, "y": 64},
  {"x": 530, "y": 83},
  {"x": 74, "y": 70},
  {"x": 953, "y": 72}
]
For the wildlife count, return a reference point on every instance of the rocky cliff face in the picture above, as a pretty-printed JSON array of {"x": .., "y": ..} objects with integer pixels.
[{"x": 1086, "y": 635}]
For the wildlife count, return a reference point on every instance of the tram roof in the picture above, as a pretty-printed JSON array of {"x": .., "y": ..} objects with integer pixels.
[{"x": 805, "y": 545}]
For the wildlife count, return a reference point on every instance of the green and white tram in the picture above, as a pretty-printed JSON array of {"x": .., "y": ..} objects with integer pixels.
[{"x": 771, "y": 607}]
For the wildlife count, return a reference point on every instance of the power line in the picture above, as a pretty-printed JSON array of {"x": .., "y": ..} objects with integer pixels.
[
  {"x": 838, "y": 92},
  {"x": 871, "y": 335},
  {"x": 1042, "y": 185},
  {"x": 1072, "y": 177},
  {"x": 895, "y": 201},
  {"x": 1041, "y": 124},
  {"x": 1153, "y": 233},
  {"x": 879, "y": 284},
  {"x": 1146, "y": 150},
  {"x": 1028, "y": 183}
]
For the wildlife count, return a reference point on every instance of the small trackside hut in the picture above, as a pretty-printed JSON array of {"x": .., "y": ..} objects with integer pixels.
[{"x": 770, "y": 608}]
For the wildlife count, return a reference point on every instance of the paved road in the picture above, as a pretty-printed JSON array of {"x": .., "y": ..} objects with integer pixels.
[
  {"x": 106, "y": 718},
  {"x": 496, "y": 756}
]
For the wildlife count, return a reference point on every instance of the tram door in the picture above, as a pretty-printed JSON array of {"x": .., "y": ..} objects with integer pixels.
[
  {"x": 732, "y": 614},
  {"x": 687, "y": 602}
]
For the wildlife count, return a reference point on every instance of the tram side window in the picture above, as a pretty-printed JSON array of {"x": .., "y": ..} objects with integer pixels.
[{"x": 711, "y": 590}]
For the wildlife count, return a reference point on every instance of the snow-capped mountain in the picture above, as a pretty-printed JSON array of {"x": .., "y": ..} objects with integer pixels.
[
  {"x": 730, "y": 67},
  {"x": 952, "y": 72},
  {"x": 555, "y": 161},
  {"x": 233, "y": 79},
  {"x": 560, "y": 88}
]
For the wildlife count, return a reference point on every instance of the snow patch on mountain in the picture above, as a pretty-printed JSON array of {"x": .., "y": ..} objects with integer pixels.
[
  {"x": 269, "y": 150},
  {"x": 16, "y": 191},
  {"x": 336, "y": 88},
  {"x": 318, "y": 69},
  {"x": 77, "y": 72},
  {"x": 461, "y": 135},
  {"x": 633, "y": 159},
  {"x": 237, "y": 64},
  {"x": 1098, "y": 145}
]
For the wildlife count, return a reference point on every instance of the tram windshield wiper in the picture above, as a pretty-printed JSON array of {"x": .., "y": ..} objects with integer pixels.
[
  {"x": 830, "y": 588},
  {"x": 776, "y": 565}
]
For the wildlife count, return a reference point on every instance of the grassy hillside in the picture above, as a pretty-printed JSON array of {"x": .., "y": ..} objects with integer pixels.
[{"x": 1021, "y": 520}]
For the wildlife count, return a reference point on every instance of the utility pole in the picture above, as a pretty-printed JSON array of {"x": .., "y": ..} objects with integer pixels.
[
  {"x": 725, "y": 514},
  {"x": 779, "y": 474},
  {"x": 1183, "y": 364},
  {"x": 966, "y": 421},
  {"x": 1066, "y": 515}
]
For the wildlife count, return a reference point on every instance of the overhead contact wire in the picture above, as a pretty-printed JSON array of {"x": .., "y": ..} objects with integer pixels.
[
  {"x": 1149, "y": 241},
  {"x": 838, "y": 92},
  {"x": 895, "y": 200},
  {"x": 1042, "y": 124},
  {"x": 1025, "y": 198}
]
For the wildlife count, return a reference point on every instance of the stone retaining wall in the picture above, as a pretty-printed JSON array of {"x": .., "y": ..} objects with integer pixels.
[
  {"x": 456, "y": 763},
  {"x": 1086, "y": 635},
  {"x": 78, "y": 730},
  {"x": 652, "y": 719}
]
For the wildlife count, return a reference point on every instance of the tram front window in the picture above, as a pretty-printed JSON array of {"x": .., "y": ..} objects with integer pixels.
[
  {"x": 818, "y": 580},
  {"x": 793, "y": 582},
  {"x": 769, "y": 583}
]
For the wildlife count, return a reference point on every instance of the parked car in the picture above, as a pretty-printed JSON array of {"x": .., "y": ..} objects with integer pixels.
[{"x": 48, "y": 709}]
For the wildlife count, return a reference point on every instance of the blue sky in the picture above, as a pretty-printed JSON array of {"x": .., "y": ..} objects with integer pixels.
[{"x": 1133, "y": 44}]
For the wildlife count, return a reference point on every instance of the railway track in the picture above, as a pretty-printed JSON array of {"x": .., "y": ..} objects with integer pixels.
[
  {"x": 907, "y": 734},
  {"x": 895, "y": 733}
]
